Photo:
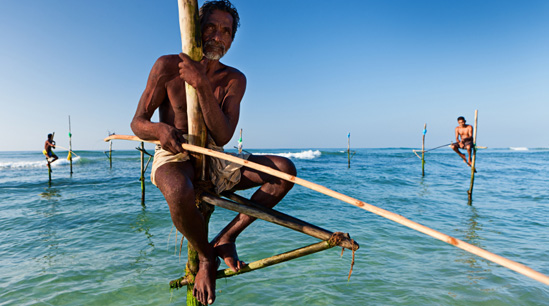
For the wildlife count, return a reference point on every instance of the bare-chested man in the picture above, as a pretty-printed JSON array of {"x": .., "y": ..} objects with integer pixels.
[
  {"x": 464, "y": 139},
  {"x": 220, "y": 89},
  {"x": 48, "y": 145}
]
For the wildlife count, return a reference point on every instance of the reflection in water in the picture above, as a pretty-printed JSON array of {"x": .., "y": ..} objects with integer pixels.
[
  {"x": 49, "y": 239},
  {"x": 472, "y": 236},
  {"x": 142, "y": 225},
  {"x": 51, "y": 194},
  {"x": 424, "y": 188}
]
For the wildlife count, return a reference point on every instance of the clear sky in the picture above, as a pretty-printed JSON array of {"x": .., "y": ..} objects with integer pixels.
[{"x": 316, "y": 70}]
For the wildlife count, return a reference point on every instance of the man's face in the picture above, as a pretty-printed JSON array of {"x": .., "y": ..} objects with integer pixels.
[
  {"x": 217, "y": 34},
  {"x": 461, "y": 122}
]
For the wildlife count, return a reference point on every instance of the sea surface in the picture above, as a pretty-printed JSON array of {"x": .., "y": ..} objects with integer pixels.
[{"x": 86, "y": 239}]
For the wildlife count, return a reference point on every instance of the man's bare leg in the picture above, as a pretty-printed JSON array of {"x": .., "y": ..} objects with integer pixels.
[
  {"x": 272, "y": 190},
  {"x": 456, "y": 149},
  {"x": 174, "y": 180}
]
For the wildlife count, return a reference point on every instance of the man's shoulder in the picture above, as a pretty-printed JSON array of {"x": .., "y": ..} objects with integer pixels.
[
  {"x": 167, "y": 63},
  {"x": 234, "y": 73}
]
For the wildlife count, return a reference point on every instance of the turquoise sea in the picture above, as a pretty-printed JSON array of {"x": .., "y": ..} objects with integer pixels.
[{"x": 88, "y": 240}]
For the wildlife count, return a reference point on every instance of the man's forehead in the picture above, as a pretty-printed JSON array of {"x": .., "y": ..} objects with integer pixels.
[{"x": 218, "y": 16}]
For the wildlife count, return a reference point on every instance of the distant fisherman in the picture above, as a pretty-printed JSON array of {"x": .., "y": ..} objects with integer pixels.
[
  {"x": 220, "y": 89},
  {"x": 50, "y": 143},
  {"x": 465, "y": 132}
]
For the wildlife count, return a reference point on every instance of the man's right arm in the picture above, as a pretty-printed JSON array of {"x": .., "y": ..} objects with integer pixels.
[{"x": 151, "y": 99}]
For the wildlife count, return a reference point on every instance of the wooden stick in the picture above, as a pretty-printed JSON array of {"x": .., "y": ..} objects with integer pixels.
[
  {"x": 266, "y": 262},
  {"x": 470, "y": 191},
  {"x": 252, "y": 209},
  {"x": 70, "y": 144},
  {"x": 142, "y": 176},
  {"x": 423, "y": 150},
  {"x": 191, "y": 44},
  {"x": 349, "y": 150},
  {"x": 517, "y": 267}
]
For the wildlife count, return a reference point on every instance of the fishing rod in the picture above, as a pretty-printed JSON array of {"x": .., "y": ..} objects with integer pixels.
[
  {"x": 415, "y": 151},
  {"x": 67, "y": 150},
  {"x": 512, "y": 265}
]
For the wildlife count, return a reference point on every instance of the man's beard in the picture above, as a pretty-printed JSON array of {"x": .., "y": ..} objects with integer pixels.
[{"x": 214, "y": 50}]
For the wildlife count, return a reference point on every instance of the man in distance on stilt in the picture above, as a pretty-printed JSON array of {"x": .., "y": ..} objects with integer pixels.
[{"x": 464, "y": 140}]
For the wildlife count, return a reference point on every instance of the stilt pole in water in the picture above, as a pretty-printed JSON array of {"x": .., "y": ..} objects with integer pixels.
[
  {"x": 110, "y": 153},
  {"x": 70, "y": 145},
  {"x": 423, "y": 150},
  {"x": 191, "y": 44},
  {"x": 49, "y": 174},
  {"x": 142, "y": 178},
  {"x": 240, "y": 143},
  {"x": 349, "y": 150},
  {"x": 470, "y": 192}
]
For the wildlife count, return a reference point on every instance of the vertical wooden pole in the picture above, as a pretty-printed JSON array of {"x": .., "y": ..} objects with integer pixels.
[
  {"x": 70, "y": 145},
  {"x": 142, "y": 178},
  {"x": 423, "y": 150},
  {"x": 470, "y": 192},
  {"x": 110, "y": 153},
  {"x": 240, "y": 143},
  {"x": 349, "y": 150},
  {"x": 191, "y": 43},
  {"x": 49, "y": 174}
]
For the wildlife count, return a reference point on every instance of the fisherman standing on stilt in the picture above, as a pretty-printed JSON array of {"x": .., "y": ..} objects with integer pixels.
[{"x": 465, "y": 132}]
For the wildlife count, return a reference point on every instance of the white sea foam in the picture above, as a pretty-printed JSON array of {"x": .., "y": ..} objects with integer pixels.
[
  {"x": 35, "y": 164},
  {"x": 309, "y": 154},
  {"x": 518, "y": 148}
]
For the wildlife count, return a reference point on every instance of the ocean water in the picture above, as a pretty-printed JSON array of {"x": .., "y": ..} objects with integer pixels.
[{"x": 87, "y": 239}]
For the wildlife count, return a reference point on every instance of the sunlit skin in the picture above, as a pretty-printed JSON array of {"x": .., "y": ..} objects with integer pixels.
[
  {"x": 220, "y": 89},
  {"x": 48, "y": 145},
  {"x": 464, "y": 134}
]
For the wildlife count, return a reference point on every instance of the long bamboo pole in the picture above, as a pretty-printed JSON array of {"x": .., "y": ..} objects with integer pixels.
[
  {"x": 423, "y": 150},
  {"x": 517, "y": 267},
  {"x": 191, "y": 44},
  {"x": 470, "y": 191}
]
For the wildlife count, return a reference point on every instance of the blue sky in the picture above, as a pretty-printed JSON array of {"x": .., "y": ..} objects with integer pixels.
[{"x": 316, "y": 70}]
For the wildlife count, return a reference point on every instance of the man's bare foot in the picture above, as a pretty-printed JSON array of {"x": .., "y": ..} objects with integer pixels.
[
  {"x": 227, "y": 251},
  {"x": 204, "y": 285}
]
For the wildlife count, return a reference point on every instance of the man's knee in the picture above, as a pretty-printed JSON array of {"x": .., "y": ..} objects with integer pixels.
[
  {"x": 287, "y": 166},
  {"x": 174, "y": 182}
]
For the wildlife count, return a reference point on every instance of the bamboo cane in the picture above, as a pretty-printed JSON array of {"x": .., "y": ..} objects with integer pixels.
[
  {"x": 110, "y": 155},
  {"x": 191, "y": 44},
  {"x": 470, "y": 192},
  {"x": 423, "y": 150},
  {"x": 517, "y": 267},
  {"x": 266, "y": 262},
  {"x": 349, "y": 150},
  {"x": 252, "y": 209},
  {"x": 70, "y": 145},
  {"x": 142, "y": 176}
]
